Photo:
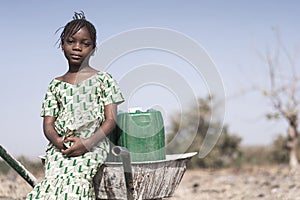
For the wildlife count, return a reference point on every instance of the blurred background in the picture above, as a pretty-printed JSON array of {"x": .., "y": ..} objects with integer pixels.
[{"x": 253, "y": 44}]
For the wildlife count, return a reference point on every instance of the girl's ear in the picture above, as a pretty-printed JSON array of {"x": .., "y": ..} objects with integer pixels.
[
  {"x": 62, "y": 45},
  {"x": 93, "y": 51}
]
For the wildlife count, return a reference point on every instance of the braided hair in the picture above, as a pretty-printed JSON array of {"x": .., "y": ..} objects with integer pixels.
[{"x": 75, "y": 25}]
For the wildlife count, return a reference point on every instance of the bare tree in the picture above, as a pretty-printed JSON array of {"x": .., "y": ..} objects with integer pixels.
[{"x": 284, "y": 93}]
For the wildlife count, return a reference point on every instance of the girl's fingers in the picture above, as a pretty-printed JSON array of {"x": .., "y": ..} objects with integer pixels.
[
  {"x": 70, "y": 139},
  {"x": 66, "y": 151},
  {"x": 76, "y": 149}
]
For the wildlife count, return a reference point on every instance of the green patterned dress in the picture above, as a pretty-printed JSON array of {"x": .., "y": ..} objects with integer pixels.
[{"x": 79, "y": 111}]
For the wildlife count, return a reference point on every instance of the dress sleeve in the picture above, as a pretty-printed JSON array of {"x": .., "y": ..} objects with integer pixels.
[
  {"x": 50, "y": 104},
  {"x": 111, "y": 92}
]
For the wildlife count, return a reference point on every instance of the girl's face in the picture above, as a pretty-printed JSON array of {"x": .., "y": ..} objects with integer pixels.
[{"x": 78, "y": 47}]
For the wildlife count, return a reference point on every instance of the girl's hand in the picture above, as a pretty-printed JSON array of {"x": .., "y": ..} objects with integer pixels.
[
  {"x": 78, "y": 147},
  {"x": 59, "y": 143},
  {"x": 51, "y": 134}
]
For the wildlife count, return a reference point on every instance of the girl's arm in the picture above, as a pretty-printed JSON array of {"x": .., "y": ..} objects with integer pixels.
[
  {"x": 81, "y": 146},
  {"x": 110, "y": 113},
  {"x": 50, "y": 132}
]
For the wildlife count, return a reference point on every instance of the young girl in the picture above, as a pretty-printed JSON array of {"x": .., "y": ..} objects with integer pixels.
[{"x": 79, "y": 111}]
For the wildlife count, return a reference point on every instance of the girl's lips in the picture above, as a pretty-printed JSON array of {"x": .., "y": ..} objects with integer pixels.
[{"x": 74, "y": 56}]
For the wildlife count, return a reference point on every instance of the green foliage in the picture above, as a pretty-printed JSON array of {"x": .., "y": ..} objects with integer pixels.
[
  {"x": 279, "y": 152},
  {"x": 274, "y": 115},
  {"x": 188, "y": 130},
  {"x": 276, "y": 153},
  {"x": 225, "y": 153},
  {"x": 256, "y": 155}
]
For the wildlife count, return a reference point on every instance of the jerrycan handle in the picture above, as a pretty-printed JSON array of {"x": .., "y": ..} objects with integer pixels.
[{"x": 141, "y": 118}]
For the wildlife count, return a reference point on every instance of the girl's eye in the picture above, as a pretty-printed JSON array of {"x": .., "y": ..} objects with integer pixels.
[
  {"x": 87, "y": 44},
  {"x": 70, "y": 41}
]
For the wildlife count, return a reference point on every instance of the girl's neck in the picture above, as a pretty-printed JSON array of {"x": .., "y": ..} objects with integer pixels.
[{"x": 76, "y": 69}]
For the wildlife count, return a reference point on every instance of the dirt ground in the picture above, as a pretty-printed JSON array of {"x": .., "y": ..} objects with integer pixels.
[{"x": 266, "y": 183}]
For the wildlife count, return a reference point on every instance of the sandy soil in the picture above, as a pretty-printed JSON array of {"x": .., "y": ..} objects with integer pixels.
[{"x": 267, "y": 183}]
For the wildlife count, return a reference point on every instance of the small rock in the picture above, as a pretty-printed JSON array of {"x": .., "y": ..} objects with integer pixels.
[
  {"x": 261, "y": 195},
  {"x": 274, "y": 190},
  {"x": 292, "y": 186}
]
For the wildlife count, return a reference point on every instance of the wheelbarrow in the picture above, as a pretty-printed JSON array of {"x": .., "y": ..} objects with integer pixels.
[{"x": 147, "y": 180}]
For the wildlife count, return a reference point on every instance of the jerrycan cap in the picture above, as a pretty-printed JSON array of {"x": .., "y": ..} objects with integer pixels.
[{"x": 135, "y": 110}]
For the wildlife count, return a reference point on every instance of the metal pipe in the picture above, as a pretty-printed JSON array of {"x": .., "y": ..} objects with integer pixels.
[
  {"x": 16, "y": 165},
  {"x": 125, "y": 155}
]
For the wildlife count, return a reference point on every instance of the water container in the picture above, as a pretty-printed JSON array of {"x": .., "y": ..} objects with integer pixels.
[{"x": 143, "y": 134}]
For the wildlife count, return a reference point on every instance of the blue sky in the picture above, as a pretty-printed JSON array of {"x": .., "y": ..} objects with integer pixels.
[{"x": 232, "y": 32}]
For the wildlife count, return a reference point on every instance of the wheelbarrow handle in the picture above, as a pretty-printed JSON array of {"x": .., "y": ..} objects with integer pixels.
[
  {"x": 16, "y": 165},
  {"x": 125, "y": 155}
]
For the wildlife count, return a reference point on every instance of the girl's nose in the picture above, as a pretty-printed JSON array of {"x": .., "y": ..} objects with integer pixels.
[{"x": 77, "y": 47}]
